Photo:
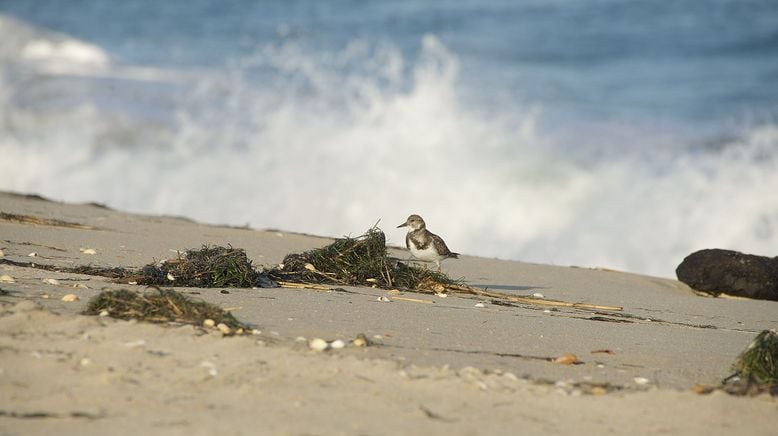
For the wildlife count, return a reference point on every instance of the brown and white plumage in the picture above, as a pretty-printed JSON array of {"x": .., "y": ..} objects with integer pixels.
[{"x": 423, "y": 244}]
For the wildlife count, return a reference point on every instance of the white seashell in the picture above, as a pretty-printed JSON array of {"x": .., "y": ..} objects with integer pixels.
[
  {"x": 135, "y": 344},
  {"x": 480, "y": 305},
  {"x": 310, "y": 267},
  {"x": 171, "y": 277},
  {"x": 641, "y": 380},
  {"x": 256, "y": 332},
  {"x": 337, "y": 344},
  {"x": 318, "y": 344},
  {"x": 209, "y": 323},
  {"x": 371, "y": 280},
  {"x": 88, "y": 250},
  {"x": 70, "y": 298},
  {"x": 441, "y": 294},
  {"x": 224, "y": 328},
  {"x": 212, "y": 371},
  {"x": 2, "y": 253},
  {"x": 132, "y": 283},
  {"x": 384, "y": 299},
  {"x": 360, "y": 341},
  {"x": 300, "y": 339},
  {"x": 80, "y": 286},
  {"x": 239, "y": 332},
  {"x": 5, "y": 278},
  {"x": 54, "y": 282},
  {"x": 33, "y": 254},
  {"x": 86, "y": 361},
  {"x": 45, "y": 296},
  {"x": 546, "y": 311},
  {"x": 538, "y": 295},
  {"x": 104, "y": 313}
]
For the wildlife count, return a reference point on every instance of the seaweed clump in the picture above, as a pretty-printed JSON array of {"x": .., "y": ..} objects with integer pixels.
[
  {"x": 756, "y": 368},
  {"x": 209, "y": 267},
  {"x": 358, "y": 261},
  {"x": 158, "y": 306}
]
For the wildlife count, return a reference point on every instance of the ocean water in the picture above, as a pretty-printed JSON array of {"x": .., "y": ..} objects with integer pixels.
[{"x": 599, "y": 133}]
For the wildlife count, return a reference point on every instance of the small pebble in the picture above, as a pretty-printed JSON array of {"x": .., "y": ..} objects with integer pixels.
[
  {"x": 209, "y": 323},
  {"x": 33, "y": 254},
  {"x": 318, "y": 344},
  {"x": 239, "y": 332},
  {"x": 86, "y": 361},
  {"x": 546, "y": 311},
  {"x": 88, "y": 250},
  {"x": 566, "y": 359},
  {"x": 54, "y": 282},
  {"x": 538, "y": 295},
  {"x": 224, "y": 328},
  {"x": 104, "y": 313},
  {"x": 337, "y": 344},
  {"x": 70, "y": 298},
  {"x": 256, "y": 332},
  {"x": 5, "y": 278},
  {"x": 171, "y": 277},
  {"x": 384, "y": 299},
  {"x": 441, "y": 294},
  {"x": 480, "y": 305},
  {"x": 641, "y": 380},
  {"x": 360, "y": 341}
]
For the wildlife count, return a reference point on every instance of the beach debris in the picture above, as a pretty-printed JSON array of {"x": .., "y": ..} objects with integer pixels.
[
  {"x": 360, "y": 341},
  {"x": 756, "y": 368},
  {"x": 54, "y": 282},
  {"x": 103, "y": 313},
  {"x": 208, "y": 267},
  {"x": 136, "y": 343},
  {"x": 212, "y": 371},
  {"x": 160, "y": 306},
  {"x": 384, "y": 299},
  {"x": 29, "y": 219},
  {"x": 2, "y": 253},
  {"x": 538, "y": 295},
  {"x": 356, "y": 261},
  {"x": 5, "y": 278},
  {"x": 604, "y": 351},
  {"x": 33, "y": 254},
  {"x": 414, "y": 300},
  {"x": 209, "y": 323},
  {"x": 318, "y": 344},
  {"x": 70, "y": 298},
  {"x": 87, "y": 250},
  {"x": 641, "y": 381},
  {"x": 567, "y": 359},
  {"x": 480, "y": 305},
  {"x": 80, "y": 286}
]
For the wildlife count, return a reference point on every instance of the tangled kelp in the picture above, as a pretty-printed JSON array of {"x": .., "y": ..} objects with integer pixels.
[
  {"x": 158, "y": 305},
  {"x": 756, "y": 368},
  {"x": 208, "y": 267},
  {"x": 358, "y": 261}
]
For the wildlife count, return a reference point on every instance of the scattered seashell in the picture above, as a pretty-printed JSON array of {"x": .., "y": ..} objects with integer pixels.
[
  {"x": 480, "y": 305},
  {"x": 239, "y": 331},
  {"x": 280, "y": 266},
  {"x": 300, "y": 339},
  {"x": 2, "y": 253},
  {"x": 538, "y": 295},
  {"x": 87, "y": 250},
  {"x": 85, "y": 361},
  {"x": 80, "y": 286},
  {"x": 45, "y": 296},
  {"x": 256, "y": 332},
  {"x": 104, "y": 313},
  {"x": 171, "y": 277},
  {"x": 337, "y": 344},
  {"x": 33, "y": 254},
  {"x": 369, "y": 280},
  {"x": 135, "y": 344},
  {"x": 384, "y": 299},
  {"x": 70, "y": 298},
  {"x": 566, "y": 359},
  {"x": 211, "y": 368},
  {"x": 54, "y": 282},
  {"x": 641, "y": 380},
  {"x": 394, "y": 292},
  {"x": 132, "y": 283},
  {"x": 702, "y": 389},
  {"x": 441, "y": 294},
  {"x": 310, "y": 267},
  {"x": 360, "y": 341},
  {"x": 546, "y": 311},
  {"x": 5, "y": 278},
  {"x": 318, "y": 344},
  {"x": 209, "y": 323},
  {"x": 224, "y": 328}
]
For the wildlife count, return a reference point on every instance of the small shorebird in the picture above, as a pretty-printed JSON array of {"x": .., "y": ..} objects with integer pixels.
[{"x": 425, "y": 245}]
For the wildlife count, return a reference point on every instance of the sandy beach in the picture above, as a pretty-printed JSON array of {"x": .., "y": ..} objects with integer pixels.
[{"x": 454, "y": 365}]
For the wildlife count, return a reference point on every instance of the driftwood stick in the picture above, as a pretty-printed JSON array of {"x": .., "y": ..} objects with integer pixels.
[{"x": 528, "y": 300}]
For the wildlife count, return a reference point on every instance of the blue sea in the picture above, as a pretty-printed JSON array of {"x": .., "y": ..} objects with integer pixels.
[{"x": 622, "y": 134}]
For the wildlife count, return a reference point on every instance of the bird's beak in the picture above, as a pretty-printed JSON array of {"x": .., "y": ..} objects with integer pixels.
[{"x": 405, "y": 224}]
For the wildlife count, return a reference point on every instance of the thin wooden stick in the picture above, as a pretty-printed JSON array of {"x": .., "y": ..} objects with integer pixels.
[
  {"x": 413, "y": 300},
  {"x": 530, "y": 300}
]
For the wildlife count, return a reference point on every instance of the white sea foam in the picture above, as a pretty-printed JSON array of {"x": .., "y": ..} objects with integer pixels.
[{"x": 328, "y": 143}]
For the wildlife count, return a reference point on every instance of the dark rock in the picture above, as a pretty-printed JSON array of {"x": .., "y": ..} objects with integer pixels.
[{"x": 718, "y": 271}]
